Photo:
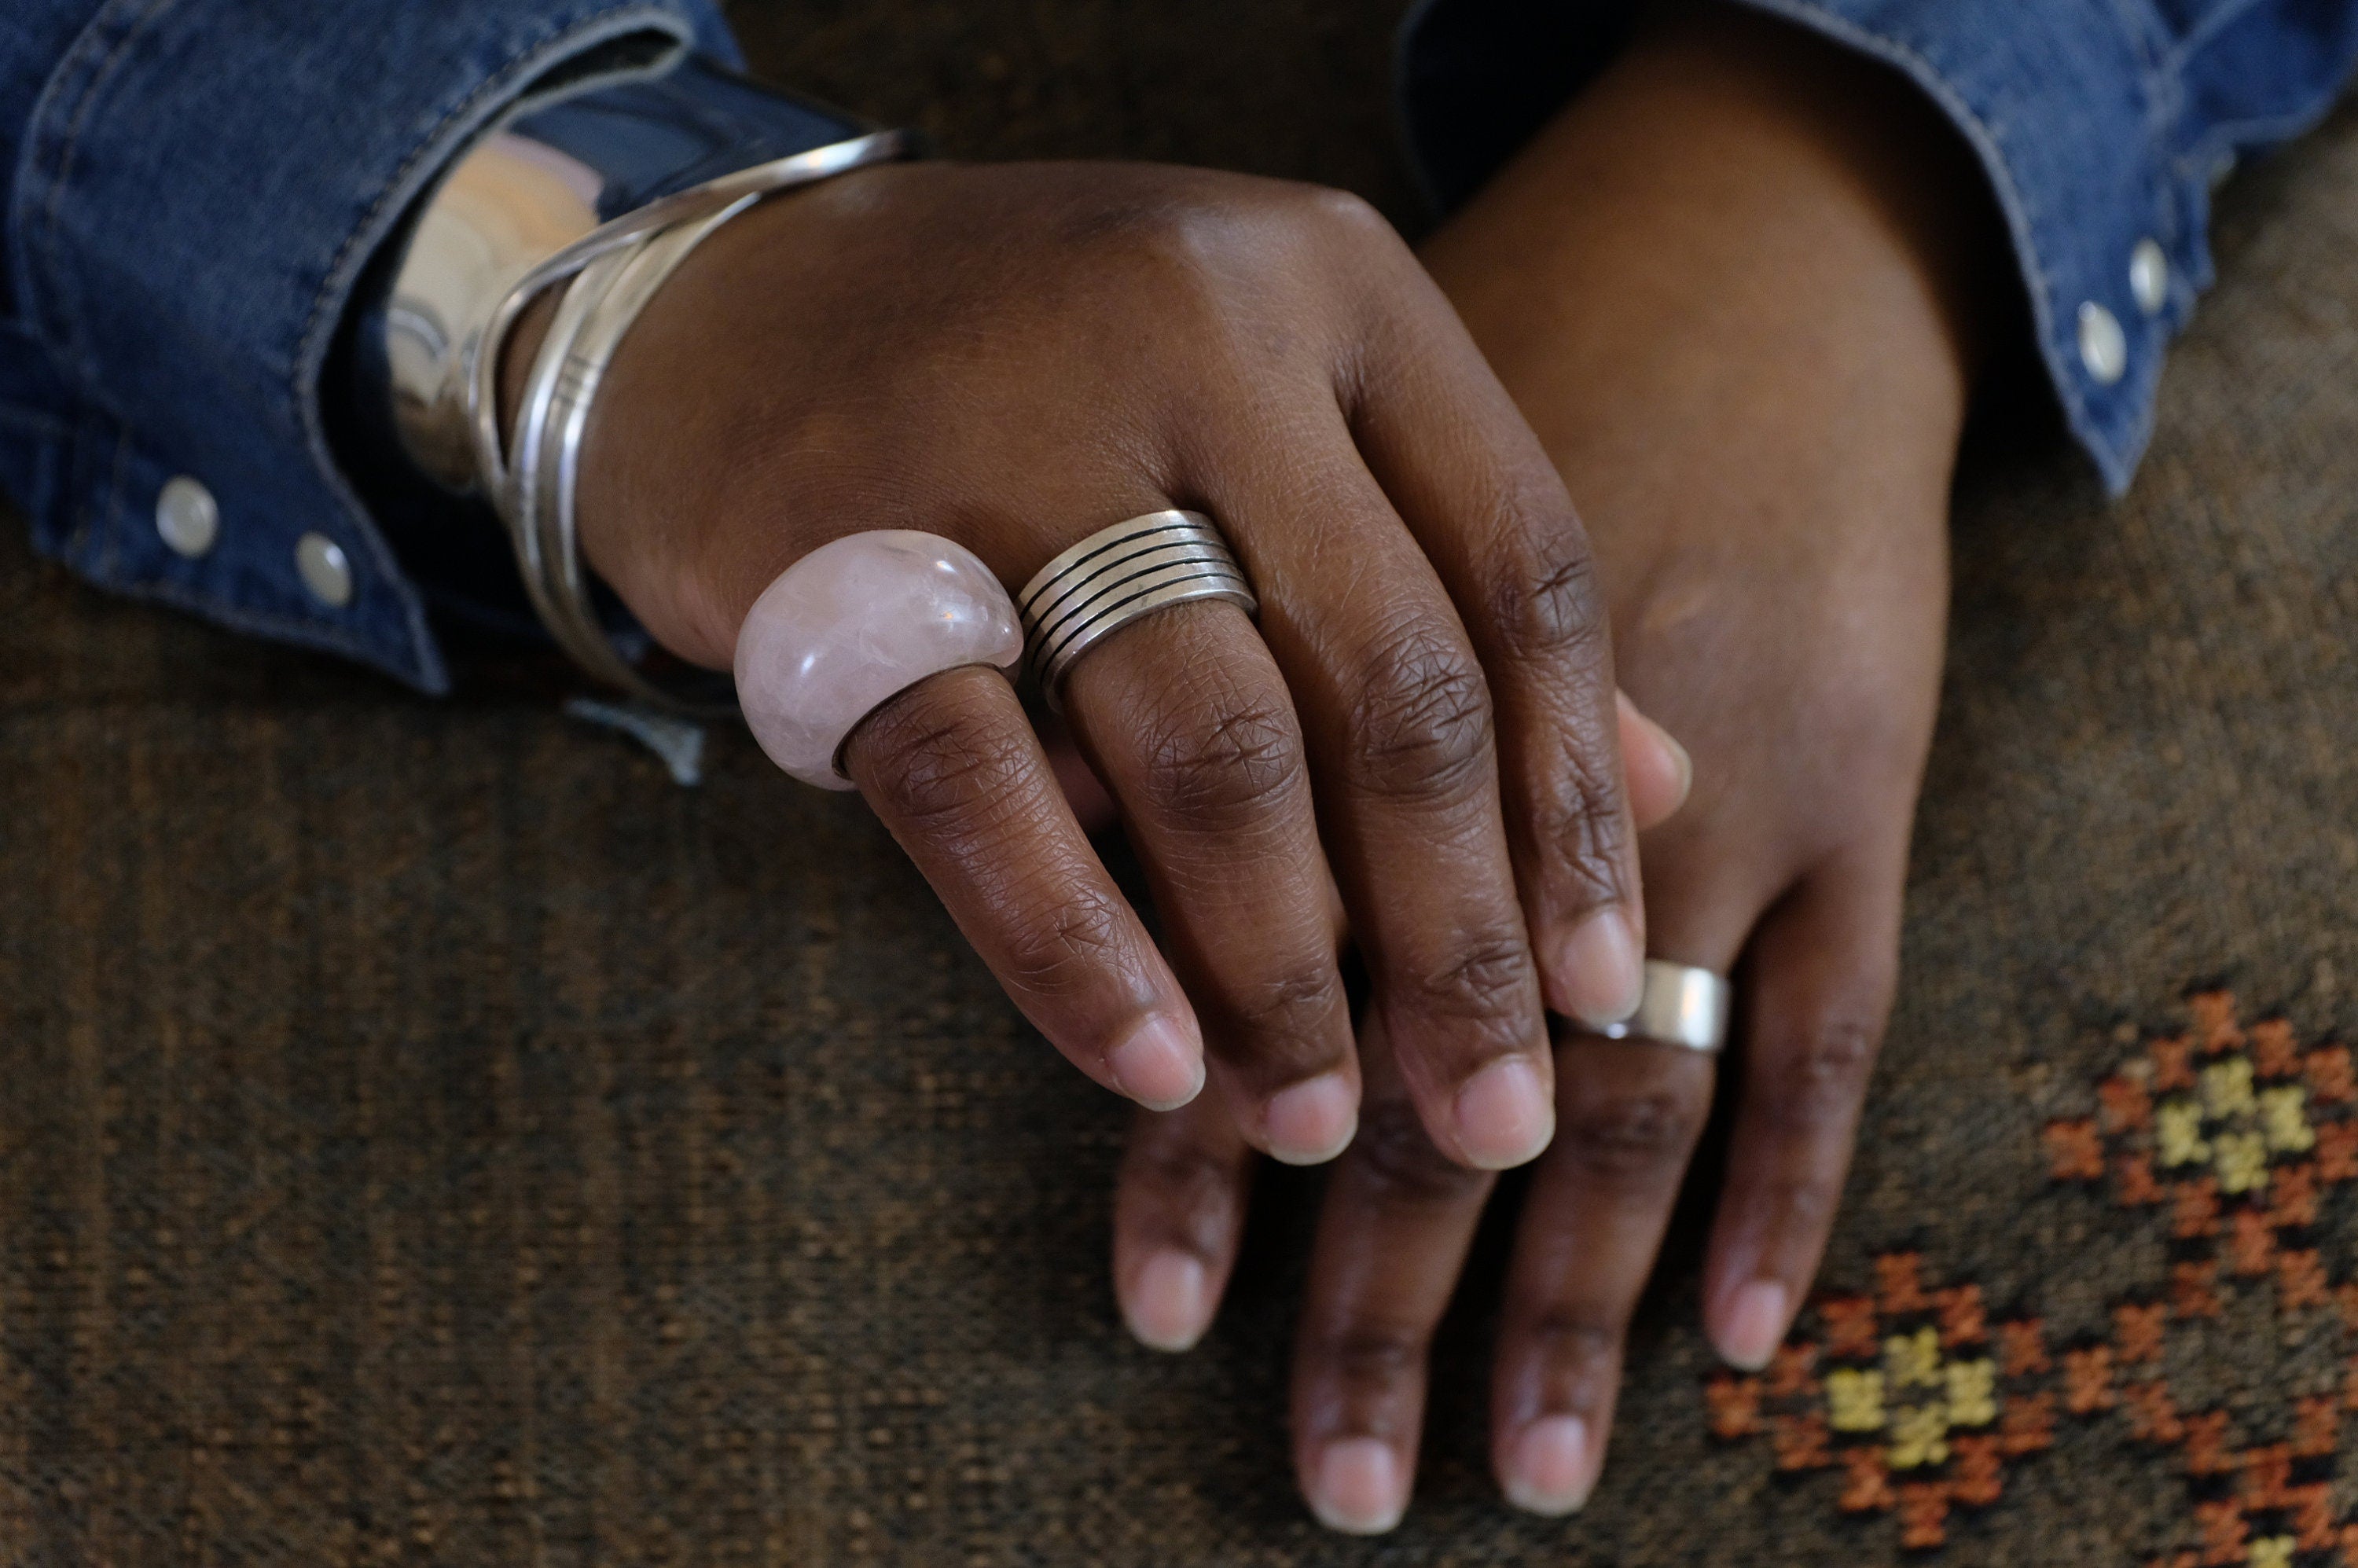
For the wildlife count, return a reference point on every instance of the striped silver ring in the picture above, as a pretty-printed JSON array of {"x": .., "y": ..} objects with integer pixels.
[{"x": 1119, "y": 575}]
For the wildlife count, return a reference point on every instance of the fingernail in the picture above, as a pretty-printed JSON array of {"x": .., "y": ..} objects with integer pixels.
[
  {"x": 1504, "y": 1115},
  {"x": 1160, "y": 1066},
  {"x": 1599, "y": 974},
  {"x": 1678, "y": 755},
  {"x": 1359, "y": 1490},
  {"x": 1168, "y": 1306},
  {"x": 1548, "y": 1471},
  {"x": 1310, "y": 1122},
  {"x": 1756, "y": 1325}
]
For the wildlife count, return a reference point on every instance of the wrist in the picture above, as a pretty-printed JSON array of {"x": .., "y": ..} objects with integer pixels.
[{"x": 1745, "y": 225}]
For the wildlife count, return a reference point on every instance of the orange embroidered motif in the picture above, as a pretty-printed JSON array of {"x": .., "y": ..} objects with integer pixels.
[
  {"x": 2126, "y": 1106},
  {"x": 1850, "y": 1326},
  {"x": 2274, "y": 1050},
  {"x": 1735, "y": 1406},
  {"x": 1789, "y": 1371},
  {"x": 2300, "y": 1280},
  {"x": 2330, "y": 1075},
  {"x": 2023, "y": 1347},
  {"x": 2336, "y": 1152},
  {"x": 2132, "y": 1182},
  {"x": 1923, "y": 1516},
  {"x": 1801, "y": 1442},
  {"x": 2293, "y": 1199},
  {"x": 2088, "y": 1379},
  {"x": 2267, "y": 1477},
  {"x": 2206, "y": 1445},
  {"x": 1963, "y": 1320},
  {"x": 2136, "y": 1331},
  {"x": 2225, "y": 1531},
  {"x": 2195, "y": 1211},
  {"x": 2191, "y": 1295},
  {"x": 2316, "y": 1427},
  {"x": 2074, "y": 1151},
  {"x": 2153, "y": 1417},
  {"x": 1898, "y": 1289},
  {"x": 1866, "y": 1489},
  {"x": 2251, "y": 1245},
  {"x": 2026, "y": 1425},
  {"x": 2214, "y": 1021},
  {"x": 2173, "y": 1065}
]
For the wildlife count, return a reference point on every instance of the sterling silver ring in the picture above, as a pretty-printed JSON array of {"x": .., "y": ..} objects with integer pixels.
[
  {"x": 1119, "y": 575},
  {"x": 1682, "y": 1005}
]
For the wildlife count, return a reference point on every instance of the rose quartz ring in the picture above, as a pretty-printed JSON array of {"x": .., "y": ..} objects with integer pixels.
[{"x": 855, "y": 623}]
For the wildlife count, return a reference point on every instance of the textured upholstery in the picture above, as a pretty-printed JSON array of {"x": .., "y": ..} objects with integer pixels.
[{"x": 431, "y": 1136}]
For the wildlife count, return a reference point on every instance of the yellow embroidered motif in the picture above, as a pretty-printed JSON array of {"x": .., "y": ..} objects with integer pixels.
[
  {"x": 2272, "y": 1551},
  {"x": 1973, "y": 1393},
  {"x": 1855, "y": 1399},
  {"x": 2178, "y": 1128},
  {"x": 1920, "y": 1435},
  {"x": 2284, "y": 1119},
  {"x": 1914, "y": 1360},
  {"x": 2227, "y": 1089},
  {"x": 2243, "y": 1159}
]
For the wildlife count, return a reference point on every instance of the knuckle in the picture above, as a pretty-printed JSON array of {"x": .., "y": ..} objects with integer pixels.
[
  {"x": 1184, "y": 1177},
  {"x": 1638, "y": 1138},
  {"x": 1820, "y": 1077},
  {"x": 1064, "y": 945},
  {"x": 1566, "y": 1335},
  {"x": 1485, "y": 977},
  {"x": 1420, "y": 727},
  {"x": 1225, "y": 763},
  {"x": 1401, "y": 1164},
  {"x": 1548, "y": 604},
  {"x": 1583, "y": 824},
  {"x": 1373, "y": 1354},
  {"x": 1292, "y": 1006},
  {"x": 938, "y": 769}
]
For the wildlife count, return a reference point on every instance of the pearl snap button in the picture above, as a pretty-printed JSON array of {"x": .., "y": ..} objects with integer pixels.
[
  {"x": 2149, "y": 277},
  {"x": 2103, "y": 347},
  {"x": 188, "y": 517},
  {"x": 321, "y": 564}
]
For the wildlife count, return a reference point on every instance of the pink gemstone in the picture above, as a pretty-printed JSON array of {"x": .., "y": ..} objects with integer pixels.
[{"x": 854, "y": 623}]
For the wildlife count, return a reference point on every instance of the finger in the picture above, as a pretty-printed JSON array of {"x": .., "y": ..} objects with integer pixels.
[
  {"x": 1820, "y": 981},
  {"x": 1629, "y": 1112},
  {"x": 1399, "y": 1216},
  {"x": 1480, "y": 494},
  {"x": 952, "y": 767},
  {"x": 1396, "y": 716},
  {"x": 1185, "y": 717},
  {"x": 1660, "y": 773},
  {"x": 1179, "y": 1212}
]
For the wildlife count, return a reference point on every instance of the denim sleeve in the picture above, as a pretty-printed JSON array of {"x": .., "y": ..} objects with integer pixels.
[
  {"x": 193, "y": 188},
  {"x": 2102, "y": 124}
]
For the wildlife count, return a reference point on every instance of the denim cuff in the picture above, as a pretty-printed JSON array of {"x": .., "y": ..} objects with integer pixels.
[
  {"x": 201, "y": 187},
  {"x": 2102, "y": 127}
]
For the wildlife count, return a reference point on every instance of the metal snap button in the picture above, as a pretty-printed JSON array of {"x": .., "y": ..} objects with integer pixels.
[
  {"x": 2103, "y": 347},
  {"x": 321, "y": 562},
  {"x": 186, "y": 517}
]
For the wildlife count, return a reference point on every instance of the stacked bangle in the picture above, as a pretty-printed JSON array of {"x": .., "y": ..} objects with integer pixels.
[{"x": 613, "y": 271}]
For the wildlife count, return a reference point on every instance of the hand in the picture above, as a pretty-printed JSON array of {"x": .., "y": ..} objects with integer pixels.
[
  {"x": 1733, "y": 287},
  {"x": 1423, "y": 720}
]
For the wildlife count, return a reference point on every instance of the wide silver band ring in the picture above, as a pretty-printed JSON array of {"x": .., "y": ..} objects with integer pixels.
[
  {"x": 1682, "y": 1005},
  {"x": 1119, "y": 575}
]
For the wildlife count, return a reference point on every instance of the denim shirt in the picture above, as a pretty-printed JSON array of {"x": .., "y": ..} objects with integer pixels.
[{"x": 196, "y": 190}]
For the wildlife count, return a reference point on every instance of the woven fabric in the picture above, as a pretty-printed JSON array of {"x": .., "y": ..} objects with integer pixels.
[{"x": 430, "y": 1136}]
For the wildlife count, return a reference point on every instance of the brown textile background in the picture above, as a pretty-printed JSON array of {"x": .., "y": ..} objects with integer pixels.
[{"x": 429, "y": 1136}]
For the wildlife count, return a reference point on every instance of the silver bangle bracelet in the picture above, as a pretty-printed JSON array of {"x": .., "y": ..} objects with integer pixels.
[{"x": 614, "y": 272}]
